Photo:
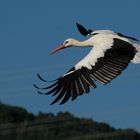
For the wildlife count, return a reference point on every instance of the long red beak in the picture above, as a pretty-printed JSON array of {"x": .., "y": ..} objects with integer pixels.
[{"x": 57, "y": 49}]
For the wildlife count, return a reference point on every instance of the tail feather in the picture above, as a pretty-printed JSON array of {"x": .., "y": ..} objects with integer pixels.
[{"x": 136, "y": 59}]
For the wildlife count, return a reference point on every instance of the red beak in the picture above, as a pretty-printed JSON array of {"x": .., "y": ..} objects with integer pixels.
[{"x": 57, "y": 49}]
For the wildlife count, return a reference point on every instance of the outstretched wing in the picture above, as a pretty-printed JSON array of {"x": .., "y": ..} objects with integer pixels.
[
  {"x": 83, "y": 30},
  {"x": 74, "y": 83},
  {"x": 132, "y": 38},
  {"x": 109, "y": 63},
  {"x": 114, "y": 61}
]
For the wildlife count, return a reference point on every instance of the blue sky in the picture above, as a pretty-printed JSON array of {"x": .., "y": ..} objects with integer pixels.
[{"x": 30, "y": 29}]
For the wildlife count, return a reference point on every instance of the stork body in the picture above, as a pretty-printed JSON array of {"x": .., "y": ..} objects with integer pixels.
[{"x": 110, "y": 54}]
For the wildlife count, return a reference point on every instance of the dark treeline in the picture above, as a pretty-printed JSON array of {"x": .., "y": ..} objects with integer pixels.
[{"x": 18, "y": 124}]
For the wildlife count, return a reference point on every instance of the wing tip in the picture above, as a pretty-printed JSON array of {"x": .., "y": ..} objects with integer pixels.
[
  {"x": 42, "y": 79},
  {"x": 36, "y": 86},
  {"x": 78, "y": 25},
  {"x": 38, "y": 75},
  {"x": 83, "y": 30},
  {"x": 40, "y": 93},
  {"x": 53, "y": 102}
]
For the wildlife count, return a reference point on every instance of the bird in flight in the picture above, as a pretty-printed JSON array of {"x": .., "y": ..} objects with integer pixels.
[{"x": 110, "y": 54}]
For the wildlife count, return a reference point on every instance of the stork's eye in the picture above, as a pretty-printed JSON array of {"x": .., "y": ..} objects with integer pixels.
[
  {"x": 66, "y": 42},
  {"x": 95, "y": 33}
]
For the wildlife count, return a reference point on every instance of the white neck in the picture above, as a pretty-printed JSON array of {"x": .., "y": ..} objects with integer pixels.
[{"x": 82, "y": 43}]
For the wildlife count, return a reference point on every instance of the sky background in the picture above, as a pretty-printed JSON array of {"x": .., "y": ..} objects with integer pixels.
[{"x": 30, "y": 29}]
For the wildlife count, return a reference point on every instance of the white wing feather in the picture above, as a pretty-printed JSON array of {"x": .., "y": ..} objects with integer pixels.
[{"x": 100, "y": 44}]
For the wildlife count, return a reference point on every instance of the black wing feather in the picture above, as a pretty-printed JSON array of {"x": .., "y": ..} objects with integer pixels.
[
  {"x": 78, "y": 81},
  {"x": 60, "y": 95},
  {"x": 115, "y": 60},
  {"x": 66, "y": 97},
  {"x": 132, "y": 38},
  {"x": 83, "y": 30}
]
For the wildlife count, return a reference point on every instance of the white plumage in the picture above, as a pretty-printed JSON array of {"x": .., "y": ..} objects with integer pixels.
[
  {"x": 102, "y": 42},
  {"x": 110, "y": 54},
  {"x": 136, "y": 58}
]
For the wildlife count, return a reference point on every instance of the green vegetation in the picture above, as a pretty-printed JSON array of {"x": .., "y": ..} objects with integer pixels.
[{"x": 18, "y": 124}]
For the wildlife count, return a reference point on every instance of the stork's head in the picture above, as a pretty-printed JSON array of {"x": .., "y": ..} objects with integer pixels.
[{"x": 67, "y": 43}]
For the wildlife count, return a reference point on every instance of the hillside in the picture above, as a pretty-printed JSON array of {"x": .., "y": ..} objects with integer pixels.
[{"x": 17, "y": 123}]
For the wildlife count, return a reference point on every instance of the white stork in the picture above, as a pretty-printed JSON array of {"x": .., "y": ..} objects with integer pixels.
[{"x": 110, "y": 54}]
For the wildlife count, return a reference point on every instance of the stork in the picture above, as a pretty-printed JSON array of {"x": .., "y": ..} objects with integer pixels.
[{"x": 110, "y": 54}]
